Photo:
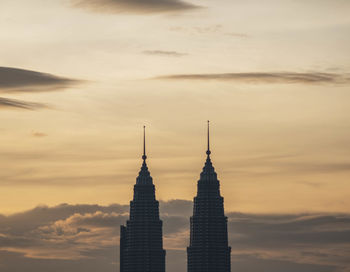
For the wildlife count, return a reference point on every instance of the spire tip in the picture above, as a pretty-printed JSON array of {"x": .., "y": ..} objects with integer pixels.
[
  {"x": 208, "y": 150},
  {"x": 144, "y": 157}
]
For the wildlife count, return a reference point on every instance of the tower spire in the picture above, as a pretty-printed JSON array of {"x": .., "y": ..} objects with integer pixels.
[
  {"x": 208, "y": 250},
  {"x": 144, "y": 157},
  {"x": 208, "y": 149}
]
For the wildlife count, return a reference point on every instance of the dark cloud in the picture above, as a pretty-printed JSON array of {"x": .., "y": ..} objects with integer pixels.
[
  {"x": 164, "y": 53},
  {"x": 174, "y": 224},
  {"x": 102, "y": 260},
  {"x": 14, "y": 80},
  {"x": 278, "y": 77},
  {"x": 76, "y": 238},
  {"x": 251, "y": 262},
  {"x": 286, "y": 231},
  {"x": 7, "y": 103},
  {"x": 320, "y": 241},
  {"x": 134, "y": 6},
  {"x": 44, "y": 215},
  {"x": 20, "y": 80},
  {"x": 176, "y": 207}
]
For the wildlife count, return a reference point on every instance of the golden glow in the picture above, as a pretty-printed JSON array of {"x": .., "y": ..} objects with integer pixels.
[{"x": 276, "y": 147}]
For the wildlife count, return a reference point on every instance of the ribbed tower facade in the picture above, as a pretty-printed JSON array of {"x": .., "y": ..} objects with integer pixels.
[
  {"x": 141, "y": 242},
  {"x": 208, "y": 250}
]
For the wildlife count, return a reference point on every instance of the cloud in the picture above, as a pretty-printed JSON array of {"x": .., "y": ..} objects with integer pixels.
[
  {"x": 79, "y": 238},
  {"x": 176, "y": 207},
  {"x": 274, "y": 77},
  {"x": 7, "y": 103},
  {"x": 321, "y": 240},
  {"x": 250, "y": 262},
  {"x": 164, "y": 53},
  {"x": 39, "y": 134},
  {"x": 208, "y": 30},
  {"x": 14, "y": 80},
  {"x": 20, "y": 80},
  {"x": 287, "y": 231},
  {"x": 279, "y": 166},
  {"x": 287, "y": 164},
  {"x": 237, "y": 35},
  {"x": 318, "y": 167},
  {"x": 212, "y": 29},
  {"x": 134, "y": 6},
  {"x": 102, "y": 260}
]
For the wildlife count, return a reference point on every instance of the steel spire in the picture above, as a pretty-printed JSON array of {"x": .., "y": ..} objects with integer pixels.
[
  {"x": 144, "y": 157},
  {"x": 208, "y": 149}
]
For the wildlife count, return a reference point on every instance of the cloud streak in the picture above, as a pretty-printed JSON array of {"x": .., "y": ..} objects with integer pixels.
[
  {"x": 6, "y": 103},
  {"x": 134, "y": 6},
  {"x": 164, "y": 53},
  {"x": 39, "y": 134},
  {"x": 265, "y": 78},
  {"x": 19, "y": 80},
  {"x": 15, "y": 80}
]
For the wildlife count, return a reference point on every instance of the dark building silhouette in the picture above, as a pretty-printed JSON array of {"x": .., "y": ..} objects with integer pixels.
[
  {"x": 141, "y": 242},
  {"x": 208, "y": 250}
]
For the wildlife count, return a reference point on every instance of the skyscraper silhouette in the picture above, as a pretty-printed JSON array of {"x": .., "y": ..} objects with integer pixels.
[
  {"x": 208, "y": 250},
  {"x": 141, "y": 242}
]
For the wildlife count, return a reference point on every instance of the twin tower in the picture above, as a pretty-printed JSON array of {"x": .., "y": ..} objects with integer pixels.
[{"x": 141, "y": 243}]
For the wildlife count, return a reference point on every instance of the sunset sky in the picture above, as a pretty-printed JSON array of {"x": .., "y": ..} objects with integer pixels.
[{"x": 80, "y": 78}]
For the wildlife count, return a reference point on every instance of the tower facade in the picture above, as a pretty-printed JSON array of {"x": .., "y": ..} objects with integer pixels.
[
  {"x": 208, "y": 250},
  {"x": 141, "y": 242}
]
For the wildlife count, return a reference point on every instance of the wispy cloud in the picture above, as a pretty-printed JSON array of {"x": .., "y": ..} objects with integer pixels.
[
  {"x": 237, "y": 35},
  {"x": 288, "y": 165},
  {"x": 134, "y": 6},
  {"x": 6, "y": 103},
  {"x": 15, "y": 80},
  {"x": 317, "y": 167},
  {"x": 198, "y": 29},
  {"x": 39, "y": 134},
  {"x": 20, "y": 80},
  {"x": 208, "y": 30},
  {"x": 164, "y": 53},
  {"x": 273, "y": 77}
]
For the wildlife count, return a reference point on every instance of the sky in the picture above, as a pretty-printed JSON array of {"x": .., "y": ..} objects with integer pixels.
[{"x": 80, "y": 78}]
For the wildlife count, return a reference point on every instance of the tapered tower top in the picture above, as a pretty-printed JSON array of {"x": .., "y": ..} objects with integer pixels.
[
  {"x": 208, "y": 169},
  {"x": 144, "y": 175}
]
